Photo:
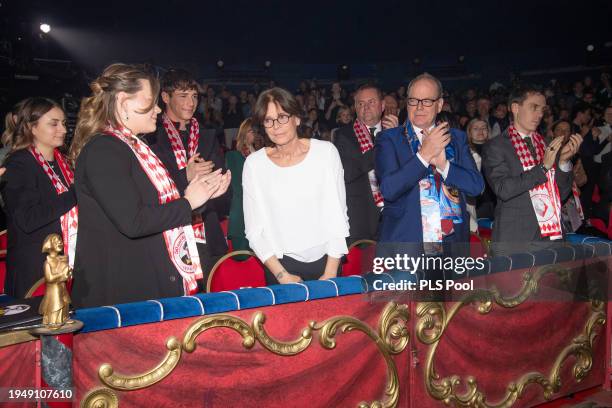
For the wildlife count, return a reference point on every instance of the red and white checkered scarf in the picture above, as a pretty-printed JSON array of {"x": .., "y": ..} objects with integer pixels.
[
  {"x": 545, "y": 197},
  {"x": 70, "y": 221},
  {"x": 365, "y": 143},
  {"x": 180, "y": 241},
  {"x": 181, "y": 160},
  {"x": 177, "y": 144}
]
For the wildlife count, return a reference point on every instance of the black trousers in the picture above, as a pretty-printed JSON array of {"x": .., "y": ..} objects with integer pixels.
[{"x": 305, "y": 270}]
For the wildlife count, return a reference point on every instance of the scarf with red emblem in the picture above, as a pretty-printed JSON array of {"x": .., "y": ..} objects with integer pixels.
[{"x": 545, "y": 197}]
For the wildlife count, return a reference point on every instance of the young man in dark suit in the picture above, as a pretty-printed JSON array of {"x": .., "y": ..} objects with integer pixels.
[
  {"x": 529, "y": 179},
  {"x": 180, "y": 144}
]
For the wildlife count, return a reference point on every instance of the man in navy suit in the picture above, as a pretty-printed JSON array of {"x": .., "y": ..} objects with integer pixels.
[{"x": 425, "y": 170}]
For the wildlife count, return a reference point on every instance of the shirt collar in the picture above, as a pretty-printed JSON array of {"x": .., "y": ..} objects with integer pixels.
[
  {"x": 524, "y": 135},
  {"x": 419, "y": 131},
  {"x": 378, "y": 127}
]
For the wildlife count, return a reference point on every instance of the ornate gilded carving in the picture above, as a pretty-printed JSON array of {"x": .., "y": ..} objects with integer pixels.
[
  {"x": 211, "y": 322},
  {"x": 392, "y": 327},
  {"x": 433, "y": 320},
  {"x": 392, "y": 337},
  {"x": 279, "y": 347},
  {"x": 100, "y": 398},
  {"x": 126, "y": 383}
]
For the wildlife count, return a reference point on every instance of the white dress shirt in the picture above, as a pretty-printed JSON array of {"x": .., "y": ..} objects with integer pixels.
[{"x": 419, "y": 133}]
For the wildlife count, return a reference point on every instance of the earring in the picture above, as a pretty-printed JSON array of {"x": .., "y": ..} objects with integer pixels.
[{"x": 126, "y": 117}]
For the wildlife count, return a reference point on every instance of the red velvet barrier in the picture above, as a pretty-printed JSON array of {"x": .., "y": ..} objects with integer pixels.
[
  {"x": 495, "y": 348},
  {"x": 525, "y": 339},
  {"x": 19, "y": 369},
  {"x": 499, "y": 347},
  {"x": 221, "y": 372}
]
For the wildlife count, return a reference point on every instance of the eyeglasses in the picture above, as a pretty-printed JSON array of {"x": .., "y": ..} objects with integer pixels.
[
  {"x": 425, "y": 102},
  {"x": 282, "y": 119}
]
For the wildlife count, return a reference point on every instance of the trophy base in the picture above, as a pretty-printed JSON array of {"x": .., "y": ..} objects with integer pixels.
[{"x": 69, "y": 327}]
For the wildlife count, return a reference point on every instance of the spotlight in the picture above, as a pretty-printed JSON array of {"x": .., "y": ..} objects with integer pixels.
[
  {"x": 416, "y": 61},
  {"x": 268, "y": 64},
  {"x": 344, "y": 72},
  {"x": 461, "y": 59},
  {"x": 608, "y": 44},
  {"x": 220, "y": 64},
  {"x": 45, "y": 28},
  {"x": 590, "y": 48}
]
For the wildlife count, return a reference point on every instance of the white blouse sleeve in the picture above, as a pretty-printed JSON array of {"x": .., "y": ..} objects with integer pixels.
[
  {"x": 336, "y": 246},
  {"x": 253, "y": 215}
]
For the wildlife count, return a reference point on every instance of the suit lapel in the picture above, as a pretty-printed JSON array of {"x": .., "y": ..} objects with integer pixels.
[
  {"x": 516, "y": 161},
  {"x": 404, "y": 150}
]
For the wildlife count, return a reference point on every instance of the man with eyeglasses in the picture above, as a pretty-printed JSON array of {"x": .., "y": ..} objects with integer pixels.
[
  {"x": 425, "y": 171},
  {"x": 529, "y": 179},
  {"x": 355, "y": 143}
]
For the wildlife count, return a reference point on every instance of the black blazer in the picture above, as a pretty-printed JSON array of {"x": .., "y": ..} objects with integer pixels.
[
  {"x": 33, "y": 209},
  {"x": 362, "y": 211},
  {"x": 209, "y": 149},
  {"x": 121, "y": 255}
]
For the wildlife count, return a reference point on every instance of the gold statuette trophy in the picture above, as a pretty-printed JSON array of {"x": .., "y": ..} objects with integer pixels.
[{"x": 56, "y": 302}]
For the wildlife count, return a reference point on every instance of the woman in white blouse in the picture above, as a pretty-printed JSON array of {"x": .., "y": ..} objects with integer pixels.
[{"x": 294, "y": 197}]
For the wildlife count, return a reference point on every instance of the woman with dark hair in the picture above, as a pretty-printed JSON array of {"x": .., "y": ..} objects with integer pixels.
[
  {"x": 38, "y": 194},
  {"x": 136, "y": 241},
  {"x": 294, "y": 197}
]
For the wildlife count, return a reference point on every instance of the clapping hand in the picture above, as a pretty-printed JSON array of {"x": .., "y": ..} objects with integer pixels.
[
  {"x": 440, "y": 160},
  {"x": 224, "y": 184},
  {"x": 570, "y": 148},
  {"x": 434, "y": 143},
  {"x": 203, "y": 187},
  {"x": 197, "y": 166},
  {"x": 390, "y": 121},
  {"x": 550, "y": 154}
]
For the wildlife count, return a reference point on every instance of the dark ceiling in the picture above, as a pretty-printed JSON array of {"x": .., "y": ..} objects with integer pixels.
[{"x": 241, "y": 31}]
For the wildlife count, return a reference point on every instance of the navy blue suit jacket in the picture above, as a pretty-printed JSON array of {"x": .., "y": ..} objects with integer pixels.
[{"x": 399, "y": 172}]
